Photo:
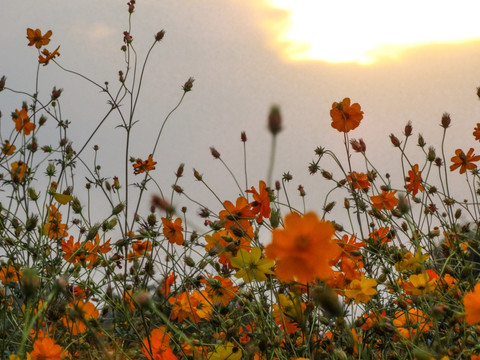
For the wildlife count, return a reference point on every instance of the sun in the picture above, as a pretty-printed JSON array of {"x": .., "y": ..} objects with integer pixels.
[{"x": 368, "y": 31}]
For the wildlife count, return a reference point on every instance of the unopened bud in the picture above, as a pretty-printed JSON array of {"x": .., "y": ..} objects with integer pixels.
[
  {"x": 394, "y": 140},
  {"x": 277, "y": 185},
  {"x": 159, "y": 36},
  {"x": 431, "y": 154},
  {"x": 3, "y": 80},
  {"x": 275, "y": 120},
  {"x": 408, "y": 129},
  {"x": 118, "y": 209},
  {"x": 56, "y": 93},
  {"x": 188, "y": 84},
  {"x": 243, "y": 136},
  {"x": 214, "y": 153},
  {"x": 421, "y": 141},
  {"x": 445, "y": 120},
  {"x": 197, "y": 175},
  {"x": 358, "y": 145},
  {"x": 179, "y": 172},
  {"x": 301, "y": 190}
]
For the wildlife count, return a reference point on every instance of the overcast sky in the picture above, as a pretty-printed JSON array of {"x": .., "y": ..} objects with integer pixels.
[{"x": 232, "y": 49}]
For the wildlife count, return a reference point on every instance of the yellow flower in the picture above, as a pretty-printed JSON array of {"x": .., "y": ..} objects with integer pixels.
[
  {"x": 361, "y": 290},
  {"x": 251, "y": 266},
  {"x": 224, "y": 352}
]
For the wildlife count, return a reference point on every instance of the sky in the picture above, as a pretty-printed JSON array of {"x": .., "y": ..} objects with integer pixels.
[{"x": 240, "y": 54}]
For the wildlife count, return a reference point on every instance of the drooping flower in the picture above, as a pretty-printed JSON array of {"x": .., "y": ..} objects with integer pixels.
[
  {"x": 361, "y": 290},
  {"x": 385, "y": 200},
  {"x": 471, "y": 302},
  {"x": 261, "y": 203},
  {"x": 36, "y": 38},
  {"x": 464, "y": 161},
  {"x": 173, "y": 230},
  {"x": 22, "y": 121},
  {"x": 46, "y": 56},
  {"x": 18, "y": 170},
  {"x": 304, "y": 249},
  {"x": 46, "y": 349},
  {"x": 346, "y": 117},
  {"x": 251, "y": 266},
  {"x": 414, "y": 180},
  {"x": 141, "y": 166}
]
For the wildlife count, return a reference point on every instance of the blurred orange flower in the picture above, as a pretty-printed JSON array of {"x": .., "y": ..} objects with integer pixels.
[
  {"x": 471, "y": 302},
  {"x": 304, "y": 249},
  {"x": 385, "y": 200},
  {"x": 82, "y": 312},
  {"x": 46, "y": 349},
  {"x": 346, "y": 117},
  {"x": 47, "y": 56},
  {"x": 464, "y": 162},
  {"x": 22, "y": 121},
  {"x": 8, "y": 148},
  {"x": 414, "y": 180},
  {"x": 476, "y": 132},
  {"x": 8, "y": 273},
  {"x": 157, "y": 345},
  {"x": 194, "y": 306},
  {"x": 36, "y": 38},
  {"x": 142, "y": 166},
  {"x": 173, "y": 230},
  {"x": 19, "y": 168},
  {"x": 408, "y": 322}
]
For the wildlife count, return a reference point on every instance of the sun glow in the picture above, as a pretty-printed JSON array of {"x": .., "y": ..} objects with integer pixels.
[{"x": 370, "y": 30}]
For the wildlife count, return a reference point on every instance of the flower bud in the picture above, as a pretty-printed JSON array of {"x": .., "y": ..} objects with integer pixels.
[
  {"x": 243, "y": 136},
  {"x": 301, "y": 190},
  {"x": 188, "y": 84},
  {"x": 275, "y": 120},
  {"x": 159, "y": 36},
  {"x": 179, "y": 172},
  {"x": 445, "y": 120},
  {"x": 394, "y": 140},
  {"x": 197, "y": 175},
  {"x": 56, "y": 93},
  {"x": 431, "y": 154},
  {"x": 2, "y": 82},
  {"x": 214, "y": 153},
  {"x": 421, "y": 141},
  {"x": 408, "y": 129}
]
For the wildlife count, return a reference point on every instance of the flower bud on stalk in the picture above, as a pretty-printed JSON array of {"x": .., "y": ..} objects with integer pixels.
[{"x": 275, "y": 120}]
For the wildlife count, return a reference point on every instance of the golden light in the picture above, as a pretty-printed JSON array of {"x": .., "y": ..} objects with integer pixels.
[{"x": 369, "y": 30}]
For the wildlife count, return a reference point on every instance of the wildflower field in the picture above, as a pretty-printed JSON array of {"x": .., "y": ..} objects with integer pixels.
[{"x": 397, "y": 276}]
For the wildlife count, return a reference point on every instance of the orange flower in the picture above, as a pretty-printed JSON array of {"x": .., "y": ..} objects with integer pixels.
[
  {"x": 381, "y": 236},
  {"x": 9, "y": 274},
  {"x": 47, "y": 56},
  {"x": 35, "y": 37},
  {"x": 238, "y": 216},
  {"x": 46, "y": 349},
  {"x": 471, "y": 302},
  {"x": 140, "y": 248},
  {"x": 173, "y": 231},
  {"x": 464, "y": 162},
  {"x": 420, "y": 284},
  {"x": 82, "y": 312},
  {"x": 408, "y": 322},
  {"x": 157, "y": 345},
  {"x": 344, "y": 116},
  {"x": 54, "y": 229},
  {"x": 19, "y": 168},
  {"x": 359, "y": 180},
  {"x": 194, "y": 306},
  {"x": 167, "y": 284},
  {"x": 476, "y": 132},
  {"x": 385, "y": 200},
  {"x": 142, "y": 166},
  {"x": 22, "y": 121},
  {"x": 220, "y": 289},
  {"x": 8, "y": 148},
  {"x": 304, "y": 249},
  {"x": 261, "y": 205},
  {"x": 415, "y": 180}
]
